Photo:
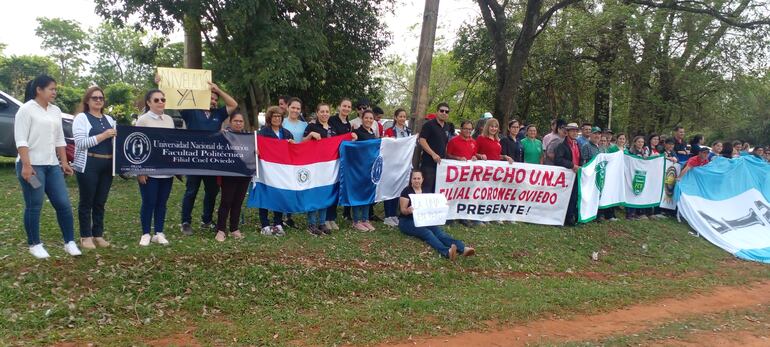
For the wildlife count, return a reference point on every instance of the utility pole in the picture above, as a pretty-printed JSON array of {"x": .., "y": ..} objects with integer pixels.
[{"x": 422, "y": 75}]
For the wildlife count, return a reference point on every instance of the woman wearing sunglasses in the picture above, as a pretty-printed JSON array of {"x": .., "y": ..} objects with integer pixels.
[
  {"x": 156, "y": 189},
  {"x": 93, "y": 132}
]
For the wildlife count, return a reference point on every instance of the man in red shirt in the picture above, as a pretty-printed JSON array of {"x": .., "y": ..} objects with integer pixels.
[
  {"x": 699, "y": 160},
  {"x": 462, "y": 147}
]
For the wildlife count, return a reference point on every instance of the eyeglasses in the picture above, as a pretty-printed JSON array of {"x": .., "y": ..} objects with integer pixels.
[
  {"x": 443, "y": 110},
  {"x": 97, "y": 98},
  {"x": 156, "y": 100}
]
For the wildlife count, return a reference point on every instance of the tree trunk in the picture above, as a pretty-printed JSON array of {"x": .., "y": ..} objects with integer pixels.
[
  {"x": 507, "y": 95},
  {"x": 422, "y": 75},
  {"x": 193, "y": 52}
]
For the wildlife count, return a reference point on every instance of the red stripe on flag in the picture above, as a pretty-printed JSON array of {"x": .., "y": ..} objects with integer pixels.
[{"x": 308, "y": 152}]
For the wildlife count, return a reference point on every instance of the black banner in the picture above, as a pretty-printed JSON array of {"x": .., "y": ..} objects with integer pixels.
[{"x": 160, "y": 151}]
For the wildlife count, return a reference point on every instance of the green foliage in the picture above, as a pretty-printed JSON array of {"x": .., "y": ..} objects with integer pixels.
[
  {"x": 122, "y": 100},
  {"x": 69, "y": 98},
  {"x": 16, "y": 71},
  {"x": 67, "y": 43}
]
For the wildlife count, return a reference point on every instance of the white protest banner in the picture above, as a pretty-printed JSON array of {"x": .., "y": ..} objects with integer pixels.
[
  {"x": 429, "y": 209},
  {"x": 496, "y": 190},
  {"x": 644, "y": 180},
  {"x": 669, "y": 184},
  {"x": 185, "y": 88}
]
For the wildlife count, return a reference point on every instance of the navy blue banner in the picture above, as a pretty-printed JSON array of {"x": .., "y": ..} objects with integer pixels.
[{"x": 160, "y": 151}]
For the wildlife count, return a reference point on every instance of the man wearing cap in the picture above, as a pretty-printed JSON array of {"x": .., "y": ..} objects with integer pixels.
[
  {"x": 591, "y": 148},
  {"x": 568, "y": 156},
  {"x": 699, "y": 160}
]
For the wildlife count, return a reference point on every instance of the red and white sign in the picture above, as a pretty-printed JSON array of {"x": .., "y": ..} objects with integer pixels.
[{"x": 496, "y": 190}]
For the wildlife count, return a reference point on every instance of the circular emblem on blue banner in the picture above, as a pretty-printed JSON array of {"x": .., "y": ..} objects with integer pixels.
[
  {"x": 377, "y": 170},
  {"x": 137, "y": 148},
  {"x": 303, "y": 176}
]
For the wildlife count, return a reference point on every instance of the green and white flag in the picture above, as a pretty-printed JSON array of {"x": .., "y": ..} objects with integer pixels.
[
  {"x": 644, "y": 180},
  {"x": 618, "y": 179}
]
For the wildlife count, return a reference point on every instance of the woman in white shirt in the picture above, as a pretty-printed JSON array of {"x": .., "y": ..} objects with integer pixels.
[
  {"x": 39, "y": 140},
  {"x": 155, "y": 190},
  {"x": 93, "y": 132}
]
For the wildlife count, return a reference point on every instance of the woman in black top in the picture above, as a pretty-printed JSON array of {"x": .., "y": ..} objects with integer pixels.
[
  {"x": 442, "y": 242},
  {"x": 316, "y": 220},
  {"x": 340, "y": 122},
  {"x": 361, "y": 212},
  {"x": 233, "y": 191},
  {"x": 273, "y": 129},
  {"x": 511, "y": 147}
]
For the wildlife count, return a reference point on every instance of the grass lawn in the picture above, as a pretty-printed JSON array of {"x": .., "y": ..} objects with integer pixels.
[{"x": 348, "y": 288}]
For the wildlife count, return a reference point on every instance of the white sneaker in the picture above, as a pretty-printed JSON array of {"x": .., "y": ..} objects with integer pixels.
[
  {"x": 391, "y": 221},
  {"x": 267, "y": 231},
  {"x": 38, "y": 251},
  {"x": 278, "y": 231},
  {"x": 160, "y": 238},
  {"x": 145, "y": 240},
  {"x": 72, "y": 249}
]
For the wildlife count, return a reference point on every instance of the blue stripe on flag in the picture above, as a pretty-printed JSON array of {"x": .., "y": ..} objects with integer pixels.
[
  {"x": 760, "y": 254},
  {"x": 356, "y": 185},
  {"x": 292, "y": 201}
]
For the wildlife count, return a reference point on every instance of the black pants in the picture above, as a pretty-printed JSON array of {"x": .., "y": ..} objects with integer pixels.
[
  {"x": 94, "y": 186},
  {"x": 230, "y": 203},
  {"x": 277, "y": 218},
  {"x": 571, "y": 217},
  {"x": 210, "y": 189},
  {"x": 608, "y": 213}
]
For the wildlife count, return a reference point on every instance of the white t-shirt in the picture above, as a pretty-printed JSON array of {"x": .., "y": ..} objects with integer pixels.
[{"x": 40, "y": 130}]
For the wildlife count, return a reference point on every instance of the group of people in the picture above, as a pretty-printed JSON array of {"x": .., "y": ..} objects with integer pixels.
[{"x": 42, "y": 163}]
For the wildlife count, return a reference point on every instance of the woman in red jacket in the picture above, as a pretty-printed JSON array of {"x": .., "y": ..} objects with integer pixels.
[{"x": 488, "y": 143}]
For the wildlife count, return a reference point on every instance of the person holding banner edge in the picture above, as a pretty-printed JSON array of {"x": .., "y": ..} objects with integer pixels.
[
  {"x": 434, "y": 236},
  {"x": 155, "y": 189},
  {"x": 273, "y": 129},
  {"x": 316, "y": 220},
  {"x": 93, "y": 132},
  {"x": 39, "y": 137},
  {"x": 364, "y": 132},
  {"x": 398, "y": 130},
  {"x": 341, "y": 125},
  {"x": 567, "y": 155},
  {"x": 210, "y": 120}
]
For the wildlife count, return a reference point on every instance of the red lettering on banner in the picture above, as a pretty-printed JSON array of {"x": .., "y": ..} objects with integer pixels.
[
  {"x": 534, "y": 177},
  {"x": 496, "y": 177},
  {"x": 539, "y": 196},
  {"x": 451, "y": 174},
  {"x": 521, "y": 175},
  {"x": 476, "y": 173},
  {"x": 464, "y": 171},
  {"x": 552, "y": 200},
  {"x": 509, "y": 175},
  {"x": 561, "y": 180},
  {"x": 487, "y": 173},
  {"x": 547, "y": 178}
]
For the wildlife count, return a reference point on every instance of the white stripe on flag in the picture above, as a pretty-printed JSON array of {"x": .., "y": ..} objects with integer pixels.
[
  {"x": 298, "y": 177},
  {"x": 396, "y": 166}
]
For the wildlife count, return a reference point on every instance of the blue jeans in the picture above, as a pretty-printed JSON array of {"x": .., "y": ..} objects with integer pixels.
[
  {"x": 360, "y": 213},
  {"x": 317, "y": 217},
  {"x": 210, "y": 191},
  {"x": 53, "y": 186},
  {"x": 433, "y": 235},
  {"x": 391, "y": 207},
  {"x": 154, "y": 198}
]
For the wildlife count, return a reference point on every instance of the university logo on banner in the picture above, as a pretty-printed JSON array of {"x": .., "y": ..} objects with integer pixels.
[
  {"x": 669, "y": 184},
  {"x": 637, "y": 184},
  {"x": 497, "y": 190},
  {"x": 137, "y": 148}
]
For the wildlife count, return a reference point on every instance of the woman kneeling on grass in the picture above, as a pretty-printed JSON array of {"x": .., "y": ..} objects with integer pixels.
[{"x": 432, "y": 235}]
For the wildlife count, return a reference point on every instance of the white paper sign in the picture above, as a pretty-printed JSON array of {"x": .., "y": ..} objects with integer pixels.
[{"x": 429, "y": 209}]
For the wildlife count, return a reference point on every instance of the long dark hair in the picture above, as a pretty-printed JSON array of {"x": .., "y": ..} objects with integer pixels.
[
  {"x": 148, "y": 96},
  {"x": 42, "y": 81}
]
